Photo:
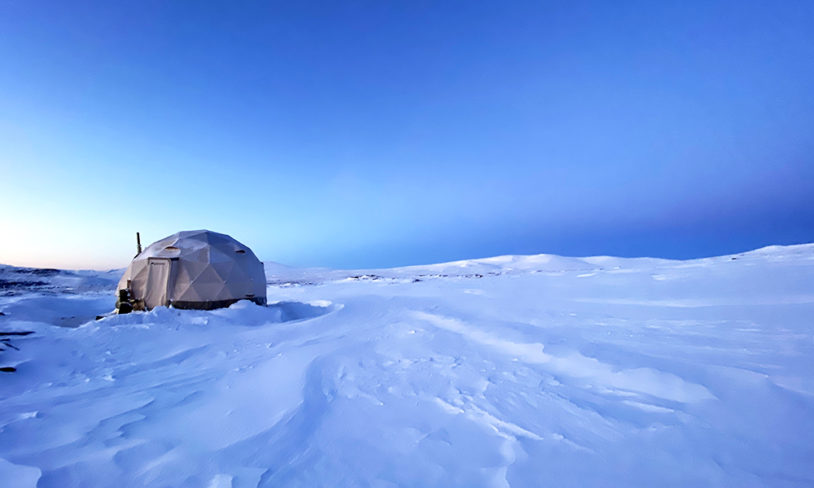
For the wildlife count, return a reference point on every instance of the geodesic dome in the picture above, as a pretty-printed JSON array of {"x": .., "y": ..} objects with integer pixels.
[{"x": 194, "y": 269}]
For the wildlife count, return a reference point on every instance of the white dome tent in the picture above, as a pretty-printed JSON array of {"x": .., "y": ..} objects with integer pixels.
[{"x": 197, "y": 269}]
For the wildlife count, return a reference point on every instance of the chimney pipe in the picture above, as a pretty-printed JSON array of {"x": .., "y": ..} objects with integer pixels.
[{"x": 138, "y": 243}]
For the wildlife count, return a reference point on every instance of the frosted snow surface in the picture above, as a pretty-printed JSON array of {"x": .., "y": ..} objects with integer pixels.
[{"x": 520, "y": 371}]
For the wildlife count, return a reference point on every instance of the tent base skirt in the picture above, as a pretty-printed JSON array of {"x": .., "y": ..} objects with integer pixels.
[{"x": 211, "y": 305}]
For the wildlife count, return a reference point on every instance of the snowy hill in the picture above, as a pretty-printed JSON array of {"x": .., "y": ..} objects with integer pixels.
[{"x": 519, "y": 371}]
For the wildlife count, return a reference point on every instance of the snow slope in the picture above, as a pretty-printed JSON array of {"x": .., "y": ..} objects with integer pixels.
[{"x": 520, "y": 371}]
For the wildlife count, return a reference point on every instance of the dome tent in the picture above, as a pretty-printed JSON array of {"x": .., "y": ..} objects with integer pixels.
[{"x": 192, "y": 269}]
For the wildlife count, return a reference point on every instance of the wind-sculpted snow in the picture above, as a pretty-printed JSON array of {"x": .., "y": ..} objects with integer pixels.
[
  {"x": 520, "y": 371},
  {"x": 16, "y": 281}
]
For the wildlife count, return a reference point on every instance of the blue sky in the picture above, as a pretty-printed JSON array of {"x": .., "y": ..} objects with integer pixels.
[{"x": 388, "y": 133}]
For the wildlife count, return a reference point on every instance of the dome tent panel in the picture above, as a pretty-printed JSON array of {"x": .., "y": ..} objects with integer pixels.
[
  {"x": 200, "y": 255},
  {"x": 182, "y": 280},
  {"x": 187, "y": 289},
  {"x": 233, "y": 275},
  {"x": 203, "y": 269},
  {"x": 208, "y": 285},
  {"x": 221, "y": 257},
  {"x": 222, "y": 269}
]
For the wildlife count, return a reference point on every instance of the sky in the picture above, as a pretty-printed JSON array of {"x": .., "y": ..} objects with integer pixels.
[{"x": 373, "y": 134}]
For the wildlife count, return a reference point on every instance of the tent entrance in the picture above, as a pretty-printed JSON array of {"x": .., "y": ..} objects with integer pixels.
[{"x": 160, "y": 281}]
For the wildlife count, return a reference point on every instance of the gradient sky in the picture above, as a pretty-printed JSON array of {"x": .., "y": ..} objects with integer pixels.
[{"x": 382, "y": 133}]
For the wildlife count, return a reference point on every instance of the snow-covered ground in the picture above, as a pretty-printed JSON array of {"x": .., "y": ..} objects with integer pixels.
[{"x": 521, "y": 371}]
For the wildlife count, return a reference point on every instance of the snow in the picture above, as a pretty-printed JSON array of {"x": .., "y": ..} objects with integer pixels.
[{"x": 507, "y": 371}]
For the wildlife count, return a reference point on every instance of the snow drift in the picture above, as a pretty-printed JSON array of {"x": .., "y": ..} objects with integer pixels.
[{"x": 509, "y": 371}]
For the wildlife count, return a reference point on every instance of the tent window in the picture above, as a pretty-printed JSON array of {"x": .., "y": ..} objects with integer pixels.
[
  {"x": 170, "y": 248},
  {"x": 240, "y": 251}
]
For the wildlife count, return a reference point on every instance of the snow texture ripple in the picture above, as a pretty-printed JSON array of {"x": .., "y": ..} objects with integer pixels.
[{"x": 519, "y": 371}]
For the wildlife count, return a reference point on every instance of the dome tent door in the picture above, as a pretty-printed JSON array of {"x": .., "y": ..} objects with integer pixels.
[{"x": 160, "y": 280}]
